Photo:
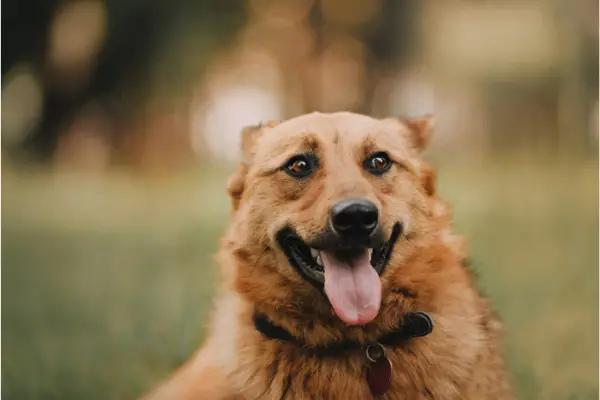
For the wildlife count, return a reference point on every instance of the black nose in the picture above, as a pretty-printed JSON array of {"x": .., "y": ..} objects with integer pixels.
[{"x": 355, "y": 218}]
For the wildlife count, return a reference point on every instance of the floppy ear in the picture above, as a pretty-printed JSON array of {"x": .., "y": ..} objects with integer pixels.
[
  {"x": 237, "y": 181},
  {"x": 421, "y": 129}
]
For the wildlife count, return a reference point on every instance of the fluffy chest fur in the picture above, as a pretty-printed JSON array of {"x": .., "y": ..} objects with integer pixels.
[
  {"x": 438, "y": 366},
  {"x": 277, "y": 371}
]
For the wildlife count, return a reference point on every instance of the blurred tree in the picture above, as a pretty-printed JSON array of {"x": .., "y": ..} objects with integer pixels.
[
  {"x": 120, "y": 78},
  {"x": 389, "y": 37}
]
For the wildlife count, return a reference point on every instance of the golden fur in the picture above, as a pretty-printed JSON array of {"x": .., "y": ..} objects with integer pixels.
[{"x": 460, "y": 359}]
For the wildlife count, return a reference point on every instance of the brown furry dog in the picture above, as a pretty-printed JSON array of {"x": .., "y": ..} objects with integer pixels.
[{"x": 338, "y": 258}]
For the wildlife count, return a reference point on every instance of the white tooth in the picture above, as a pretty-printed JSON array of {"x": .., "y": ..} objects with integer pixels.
[
  {"x": 319, "y": 260},
  {"x": 370, "y": 252},
  {"x": 314, "y": 253}
]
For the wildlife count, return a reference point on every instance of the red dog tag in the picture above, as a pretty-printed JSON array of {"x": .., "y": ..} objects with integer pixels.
[{"x": 379, "y": 372}]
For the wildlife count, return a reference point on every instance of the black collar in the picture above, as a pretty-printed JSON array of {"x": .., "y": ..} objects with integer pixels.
[{"x": 414, "y": 324}]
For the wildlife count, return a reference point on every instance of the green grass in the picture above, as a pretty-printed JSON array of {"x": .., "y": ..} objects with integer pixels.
[{"x": 106, "y": 282}]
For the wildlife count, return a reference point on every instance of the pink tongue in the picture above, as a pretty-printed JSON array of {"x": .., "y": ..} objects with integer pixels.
[{"x": 353, "y": 288}]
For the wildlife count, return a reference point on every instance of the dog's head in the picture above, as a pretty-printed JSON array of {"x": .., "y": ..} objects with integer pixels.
[{"x": 327, "y": 199}]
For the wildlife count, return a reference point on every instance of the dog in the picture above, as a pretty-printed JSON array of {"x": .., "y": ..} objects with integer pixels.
[{"x": 341, "y": 277}]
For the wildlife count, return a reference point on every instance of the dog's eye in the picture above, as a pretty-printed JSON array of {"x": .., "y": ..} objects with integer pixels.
[
  {"x": 378, "y": 163},
  {"x": 300, "y": 166}
]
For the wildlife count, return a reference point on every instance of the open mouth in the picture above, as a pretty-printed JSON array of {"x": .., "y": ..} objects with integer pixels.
[
  {"x": 308, "y": 261},
  {"x": 349, "y": 276}
]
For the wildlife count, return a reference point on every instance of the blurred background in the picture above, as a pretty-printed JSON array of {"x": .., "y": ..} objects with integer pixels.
[{"x": 121, "y": 121}]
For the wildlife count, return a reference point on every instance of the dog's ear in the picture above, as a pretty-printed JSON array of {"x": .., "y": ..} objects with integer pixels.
[
  {"x": 421, "y": 129},
  {"x": 237, "y": 182},
  {"x": 248, "y": 139}
]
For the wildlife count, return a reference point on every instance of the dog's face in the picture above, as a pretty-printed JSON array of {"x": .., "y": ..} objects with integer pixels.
[{"x": 331, "y": 196}]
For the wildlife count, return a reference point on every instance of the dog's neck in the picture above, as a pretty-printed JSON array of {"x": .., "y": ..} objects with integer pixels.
[
  {"x": 379, "y": 370},
  {"x": 412, "y": 325}
]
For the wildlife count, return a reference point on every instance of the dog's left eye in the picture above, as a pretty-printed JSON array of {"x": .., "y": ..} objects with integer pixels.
[
  {"x": 378, "y": 163},
  {"x": 300, "y": 166}
]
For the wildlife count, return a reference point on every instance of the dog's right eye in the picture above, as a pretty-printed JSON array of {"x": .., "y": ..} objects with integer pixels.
[{"x": 300, "y": 166}]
